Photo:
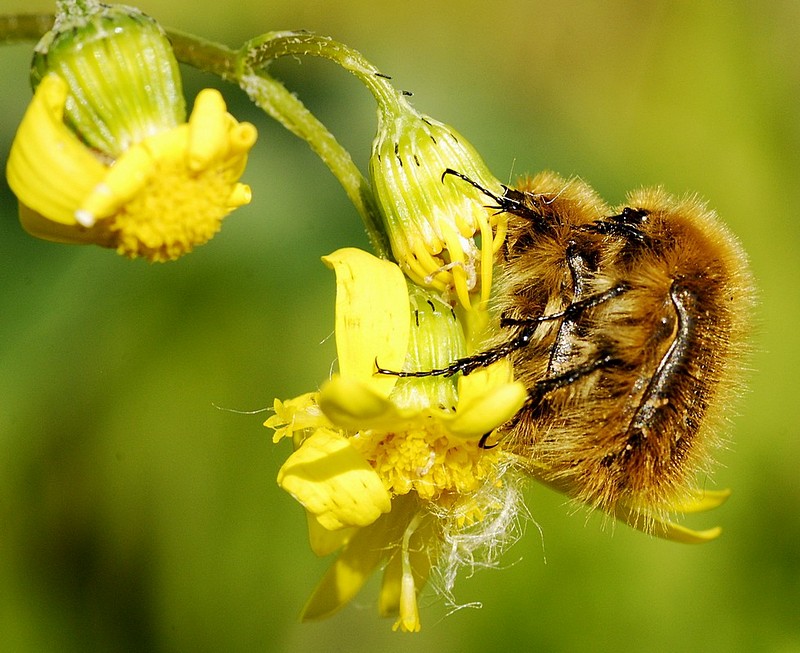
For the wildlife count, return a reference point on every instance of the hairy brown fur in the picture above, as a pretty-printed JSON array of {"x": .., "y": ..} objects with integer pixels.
[{"x": 634, "y": 321}]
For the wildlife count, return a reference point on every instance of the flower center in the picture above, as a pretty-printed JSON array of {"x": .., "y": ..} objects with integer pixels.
[
  {"x": 426, "y": 461},
  {"x": 178, "y": 209}
]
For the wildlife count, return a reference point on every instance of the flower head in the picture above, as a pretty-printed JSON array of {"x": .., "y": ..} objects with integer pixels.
[
  {"x": 442, "y": 233},
  {"x": 391, "y": 469},
  {"x": 104, "y": 153}
]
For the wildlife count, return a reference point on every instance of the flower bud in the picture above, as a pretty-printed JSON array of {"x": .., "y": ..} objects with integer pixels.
[
  {"x": 436, "y": 339},
  {"x": 105, "y": 153},
  {"x": 441, "y": 230},
  {"x": 122, "y": 76}
]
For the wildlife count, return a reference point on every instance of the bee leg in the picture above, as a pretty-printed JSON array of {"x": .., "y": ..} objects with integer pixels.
[
  {"x": 572, "y": 311},
  {"x": 471, "y": 363},
  {"x": 626, "y": 224},
  {"x": 511, "y": 201},
  {"x": 528, "y": 326},
  {"x": 545, "y": 386}
]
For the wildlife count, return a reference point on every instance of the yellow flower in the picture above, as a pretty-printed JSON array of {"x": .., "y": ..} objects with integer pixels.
[
  {"x": 102, "y": 154},
  {"x": 391, "y": 470},
  {"x": 443, "y": 234}
]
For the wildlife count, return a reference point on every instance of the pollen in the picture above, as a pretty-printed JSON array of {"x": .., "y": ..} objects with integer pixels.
[
  {"x": 428, "y": 462},
  {"x": 178, "y": 209}
]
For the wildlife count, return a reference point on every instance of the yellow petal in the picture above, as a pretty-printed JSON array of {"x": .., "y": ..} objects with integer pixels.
[
  {"x": 372, "y": 316},
  {"x": 323, "y": 541},
  {"x": 49, "y": 169},
  {"x": 486, "y": 399},
  {"x": 355, "y": 406},
  {"x": 417, "y": 552},
  {"x": 352, "y": 404},
  {"x": 677, "y": 533},
  {"x": 41, "y": 227},
  {"x": 668, "y": 530},
  {"x": 331, "y": 479},
  {"x": 347, "y": 575},
  {"x": 701, "y": 501},
  {"x": 294, "y": 415},
  {"x": 649, "y": 524},
  {"x": 208, "y": 131},
  {"x": 127, "y": 177}
]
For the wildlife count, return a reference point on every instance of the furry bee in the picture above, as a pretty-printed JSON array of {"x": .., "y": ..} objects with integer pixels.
[{"x": 628, "y": 326}]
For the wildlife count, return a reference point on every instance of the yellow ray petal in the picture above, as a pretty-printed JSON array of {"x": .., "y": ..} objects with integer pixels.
[
  {"x": 701, "y": 501},
  {"x": 372, "y": 316},
  {"x": 350, "y": 570},
  {"x": 49, "y": 169},
  {"x": 350, "y": 404},
  {"x": 668, "y": 530},
  {"x": 486, "y": 399},
  {"x": 418, "y": 559},
  {"x": 334, "y": 482},
  {"x": 323, "y": 541},
  {"x": 677, "y": 533}
]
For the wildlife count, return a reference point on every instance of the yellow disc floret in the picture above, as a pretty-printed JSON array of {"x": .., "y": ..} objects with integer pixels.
[{"x": 427, "y": 461}]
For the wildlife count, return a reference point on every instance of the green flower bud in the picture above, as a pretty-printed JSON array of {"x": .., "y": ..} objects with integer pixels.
[
  {"x": 123, "y": 78},
  {"x": 441, "y": 230},
  {"x": 436, "y": 340}
]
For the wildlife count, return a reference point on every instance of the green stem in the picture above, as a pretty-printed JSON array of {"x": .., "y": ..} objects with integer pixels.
[
  {"x": 24, "y": 27},
  {"x": 259, "y": 52},
  {"x": 204, "y": 55},
  {"x": 256, "y": 55},
  {"x": 272, "y": 96}
]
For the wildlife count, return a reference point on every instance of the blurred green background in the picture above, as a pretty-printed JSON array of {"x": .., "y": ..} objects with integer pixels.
[{"x": 138, "y": 507}]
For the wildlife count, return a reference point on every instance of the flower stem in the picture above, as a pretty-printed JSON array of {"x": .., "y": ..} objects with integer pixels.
[
  {"x": 259, "y": 52},
  {"x": 24, "y": 27},
  {"x": 256, "y": 55},
  {"x": 271, "y": 96}
]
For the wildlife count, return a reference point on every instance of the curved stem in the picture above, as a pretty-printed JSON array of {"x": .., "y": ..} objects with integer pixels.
[
  {"x": 259, "y": 52},
  {"x": 242, "y": 67},
  {"x": 272, "y": 96}
]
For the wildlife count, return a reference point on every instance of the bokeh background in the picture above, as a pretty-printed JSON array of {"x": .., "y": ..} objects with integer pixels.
[{"x": 138, "y": 507}]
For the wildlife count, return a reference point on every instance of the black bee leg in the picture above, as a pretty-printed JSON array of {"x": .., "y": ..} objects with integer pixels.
[
  {"x": 627, "y": 224},
  {"x": 545, "y": 386},
  {"x": 571, "y": 311},
  {"x": 471, "y": 363}
]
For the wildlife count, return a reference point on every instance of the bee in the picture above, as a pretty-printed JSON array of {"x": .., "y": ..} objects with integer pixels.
[{"x": 628, "y": 326}]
